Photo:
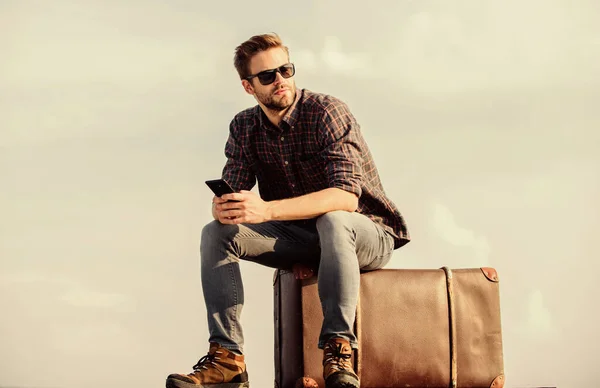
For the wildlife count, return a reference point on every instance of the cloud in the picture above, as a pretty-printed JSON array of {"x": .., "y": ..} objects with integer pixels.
[
  {"x": 87, "y": 339},
  {"x": 344, "y": 63},
  {"x": 306, "y": 60},
  {"x": 25, "y": 278},
  {"x": 440, "y": 49},
  {"x": 80, "y": 297},
  {"x": 105, "y": 44},
  {"x": 332, "y": 58},
  {"x": 80, "y": 71},
  {"x": 70, "y": 292},
  {"x": 539, "y": 318},
  {"x": 448, "y": 230}
]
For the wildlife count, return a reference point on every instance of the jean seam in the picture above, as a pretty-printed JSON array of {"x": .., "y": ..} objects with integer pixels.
[
  {"x": 235, "y": 300},
  {"x": 275, "y": 239}
]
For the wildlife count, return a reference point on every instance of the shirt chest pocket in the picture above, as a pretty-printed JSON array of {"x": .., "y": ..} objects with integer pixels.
[{"x": 268, "y": 156}]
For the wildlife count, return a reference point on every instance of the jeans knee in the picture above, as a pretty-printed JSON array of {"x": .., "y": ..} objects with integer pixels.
[
  {"x": 215, "y": 234},
  {"x": 335, "y": 220}
]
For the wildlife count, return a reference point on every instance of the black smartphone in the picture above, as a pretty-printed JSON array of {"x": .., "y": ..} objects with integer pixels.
[{"x": 219, "y": 187}]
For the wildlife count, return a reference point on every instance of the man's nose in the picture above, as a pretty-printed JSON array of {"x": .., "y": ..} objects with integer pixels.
[{"x": 278, "y": 79}]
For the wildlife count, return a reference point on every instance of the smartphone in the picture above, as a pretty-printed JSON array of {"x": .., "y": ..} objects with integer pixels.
[{"x": 219, "y": 187}]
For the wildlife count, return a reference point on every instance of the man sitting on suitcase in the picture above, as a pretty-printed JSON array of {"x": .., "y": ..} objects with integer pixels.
[{"x": 321, "y": 205}]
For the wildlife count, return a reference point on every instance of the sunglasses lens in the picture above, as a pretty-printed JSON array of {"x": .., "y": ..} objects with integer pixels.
[
  {"x": 287, "y": 71},
  {"x": 267, "y": 77}
]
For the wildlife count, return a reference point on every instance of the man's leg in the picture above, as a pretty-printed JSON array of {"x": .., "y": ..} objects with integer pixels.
[
  {"x": 350, "y": 242},
  {"x": 274, "y": 244}
]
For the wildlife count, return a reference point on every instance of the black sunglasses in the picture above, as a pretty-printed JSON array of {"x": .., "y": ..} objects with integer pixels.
[{"x": 267, "y": 77}]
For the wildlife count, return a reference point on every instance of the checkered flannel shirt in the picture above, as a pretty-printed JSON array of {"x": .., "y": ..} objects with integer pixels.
[{"x": 317, "y": 145}]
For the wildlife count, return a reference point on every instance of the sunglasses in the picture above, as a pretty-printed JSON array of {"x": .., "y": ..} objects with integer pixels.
[{"x": 268, "y": 76}]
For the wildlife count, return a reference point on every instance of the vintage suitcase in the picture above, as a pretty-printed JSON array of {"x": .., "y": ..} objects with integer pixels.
[{"x": 416, "y": 328}]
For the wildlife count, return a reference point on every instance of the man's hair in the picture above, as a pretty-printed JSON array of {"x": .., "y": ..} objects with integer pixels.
[{"x": 245, "y": 51}]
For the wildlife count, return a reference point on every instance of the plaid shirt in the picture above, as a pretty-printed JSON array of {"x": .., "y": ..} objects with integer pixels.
[{"x": 317, "y": 145}]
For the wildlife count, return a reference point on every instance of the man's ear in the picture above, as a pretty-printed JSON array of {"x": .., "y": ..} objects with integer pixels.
[{"x": 248, "y": 87}]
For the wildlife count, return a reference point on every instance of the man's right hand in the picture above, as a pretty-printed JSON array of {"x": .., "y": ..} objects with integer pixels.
[
  {"x": 302, "y": 271},
  {"x": 215, "y": 212}
]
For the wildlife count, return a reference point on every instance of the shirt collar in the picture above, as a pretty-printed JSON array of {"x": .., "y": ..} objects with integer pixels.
[{"x": 292, "y": 114}]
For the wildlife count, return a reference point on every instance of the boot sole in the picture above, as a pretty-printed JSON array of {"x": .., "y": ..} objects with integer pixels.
[
  {"x": 341, "y": 381},
  {"x": 183, "y": 384},
  {"x": 344, "y": 385}
]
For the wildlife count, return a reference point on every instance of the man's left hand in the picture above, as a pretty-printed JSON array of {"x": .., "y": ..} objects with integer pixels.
[{"x": 249, "y": 208}]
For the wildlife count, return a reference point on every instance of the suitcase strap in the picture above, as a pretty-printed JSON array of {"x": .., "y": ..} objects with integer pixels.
[{"x": 452, "y": 324}]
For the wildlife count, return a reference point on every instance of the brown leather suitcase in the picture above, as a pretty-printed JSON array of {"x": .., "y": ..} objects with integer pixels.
[{"x": 415, "y": 327}]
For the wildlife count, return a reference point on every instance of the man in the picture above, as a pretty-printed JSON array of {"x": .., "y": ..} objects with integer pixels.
[{"x": 321, "y": 206}]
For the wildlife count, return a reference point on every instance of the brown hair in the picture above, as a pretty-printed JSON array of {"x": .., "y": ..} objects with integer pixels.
[{"x": 245, "y": 51}]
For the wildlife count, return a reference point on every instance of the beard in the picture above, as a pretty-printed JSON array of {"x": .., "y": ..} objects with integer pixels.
[{"x": 277, "y": 103}]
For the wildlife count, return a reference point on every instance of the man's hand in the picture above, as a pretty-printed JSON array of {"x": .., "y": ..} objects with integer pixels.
[
  {"x": 249, "y": 208},
  {"x": 302, "y": 271}
]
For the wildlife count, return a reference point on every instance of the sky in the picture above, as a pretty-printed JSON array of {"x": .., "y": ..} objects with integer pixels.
[{"x": 482, "y": 117}]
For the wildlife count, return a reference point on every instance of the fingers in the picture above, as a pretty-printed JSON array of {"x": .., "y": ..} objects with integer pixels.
[
  {"x": 234, "y": 213},
  {"x": 231, "y": 217},
  {"x": 302, "y": 271},
  {"x": 228, "y": 197},
  {"x": 231, "y": 205},
  {"x": 218, "y": 200},
  {"x": 232, "y": 220},
  {"x": 225, "y": 220},
  {"x": 233, "y": 197}
]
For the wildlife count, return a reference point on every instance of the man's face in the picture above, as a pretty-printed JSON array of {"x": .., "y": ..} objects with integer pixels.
[{"x": 278, "y": 95}]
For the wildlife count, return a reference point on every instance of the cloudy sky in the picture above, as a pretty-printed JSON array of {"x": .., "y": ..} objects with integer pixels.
[{"x": 482, "y": 115}]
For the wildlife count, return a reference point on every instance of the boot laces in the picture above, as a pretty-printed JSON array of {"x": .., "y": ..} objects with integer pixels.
[
  {"x": 336, "y": 358},
  {"x": 207, "y": 361}
]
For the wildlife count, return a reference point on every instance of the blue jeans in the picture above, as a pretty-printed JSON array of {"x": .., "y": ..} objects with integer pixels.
[{"x": 340, "y": 244}]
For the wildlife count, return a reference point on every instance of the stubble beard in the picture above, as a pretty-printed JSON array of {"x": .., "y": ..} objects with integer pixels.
[{"x": 271, "y": 102}]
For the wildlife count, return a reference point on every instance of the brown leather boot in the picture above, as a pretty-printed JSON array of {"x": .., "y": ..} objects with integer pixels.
[
  {"x": 220, "y": 368},
  {"x": 337, "y": 365}
]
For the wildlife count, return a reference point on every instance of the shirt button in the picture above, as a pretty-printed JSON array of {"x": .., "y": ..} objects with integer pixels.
[
  {"x": 281, "y": 138},
  {"x": 286, "y": 162}
]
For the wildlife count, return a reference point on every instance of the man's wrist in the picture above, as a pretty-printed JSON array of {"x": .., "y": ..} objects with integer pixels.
[{"x": 270, "y": 211}]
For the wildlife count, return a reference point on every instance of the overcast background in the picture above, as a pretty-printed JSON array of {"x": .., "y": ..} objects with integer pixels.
[{"x": 483, "y": 117}]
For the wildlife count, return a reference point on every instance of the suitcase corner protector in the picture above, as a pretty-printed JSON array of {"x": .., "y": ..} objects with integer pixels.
[
  {"x": 498, "y": 382},
  {"x": 491, "y": 274}
]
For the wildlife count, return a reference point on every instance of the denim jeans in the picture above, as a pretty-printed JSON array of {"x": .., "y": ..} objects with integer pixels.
[{"x": 339, "y": 244}]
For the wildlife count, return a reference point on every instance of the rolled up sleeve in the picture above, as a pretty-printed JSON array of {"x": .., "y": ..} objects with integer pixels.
[
  {"x": 343, "y": 149},
  {"x": 237, "y": 171}
]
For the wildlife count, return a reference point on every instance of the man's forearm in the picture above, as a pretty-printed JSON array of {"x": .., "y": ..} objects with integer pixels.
[{"x": 312, "y": 205}]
